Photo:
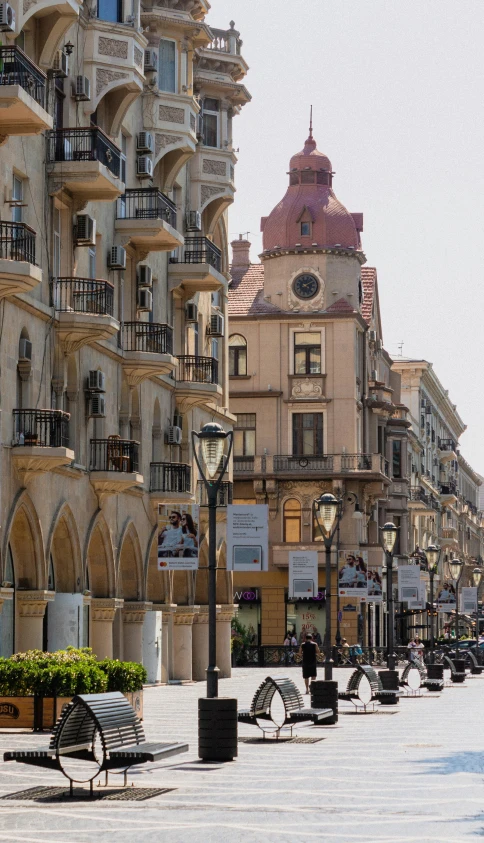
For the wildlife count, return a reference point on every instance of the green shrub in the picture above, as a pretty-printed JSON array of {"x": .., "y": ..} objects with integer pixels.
[{"x": 123, "y": 676}]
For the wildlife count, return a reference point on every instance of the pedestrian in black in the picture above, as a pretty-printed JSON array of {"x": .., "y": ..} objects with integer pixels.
[{"x": 309, "y": 650}]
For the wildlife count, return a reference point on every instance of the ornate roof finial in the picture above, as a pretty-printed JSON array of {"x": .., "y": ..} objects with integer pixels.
[{"x": 311, "y": 123}]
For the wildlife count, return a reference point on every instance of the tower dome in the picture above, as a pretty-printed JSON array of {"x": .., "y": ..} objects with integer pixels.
[{"x": 310, "y": 214}]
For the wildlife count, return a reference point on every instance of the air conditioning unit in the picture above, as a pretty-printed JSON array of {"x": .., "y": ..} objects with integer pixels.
[
  {"x": 60, "y": 65},
  {"x": 117, "y": 257},
  {"x": 97, "y": 406},
  {"x": 144, "y": 275},
  {"x": 373, "y": 375},
  {"x": 85, "y": 230},
  {"x": 216, "y": 325},
  {"x": 175, "y": 435},
  {"x": 193, "y": 221},
  {"x": 379, "y": 345},
  {"x": 7, "y": 17},
  {"x": 144, "y": 167},
  {"x": 151, "y": 60},
  {"x": 81, "y": 89},
  {"x": 145, "y": 142},
  {"x": 96, "y": 381},
  {"x": 25, "y": 350},
  {"x": 372, "y": 336},
  {"x": 145, "y": 299},
  {"x": 191, "y": 312}
]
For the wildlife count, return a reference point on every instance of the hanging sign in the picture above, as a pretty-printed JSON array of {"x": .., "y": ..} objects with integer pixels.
[
  {"x": 178, "y": 538},
  {"x": 353, "y": 574},
  {"x": 421, "y": 603},
  {"x": 468, "y": 600},
  {"x": 248, "y": 537},
  {"x": 303, "y": 574},
  {"x": 408, "y": 583},
  {"x": 446, "y": 601},
  {"x": 375, "y": 588}
]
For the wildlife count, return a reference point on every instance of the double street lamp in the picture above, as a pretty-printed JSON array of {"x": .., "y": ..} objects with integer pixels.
[
  {"x": 433, "y": 555},
  {"x": 456, "y": 567},
  {"x": 477, "y": 576},
  {"x": 389, "y": 537},
  {"x": 213, "y": 439}
]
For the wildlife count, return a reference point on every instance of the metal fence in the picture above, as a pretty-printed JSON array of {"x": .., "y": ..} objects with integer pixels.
[
  {"x": 170, "y": 477},
  {"x": 199, "y": 250},
  {"x": 146, "y": 203},
  {"x": 17, "y": 242},
  {"x": 17, "y": 69},
  {"x": 82, "y": 295},
  {"x": 114, "y": 454},
  {"x": 197, "y": 369},
  {"x": 265, "y": 656},
  {"x": 87, "y": 144},
  {"x": 303, "y": 463},
  {"x": 147, "y": 337},
  {"x": 224, "y": 497},
  {"x": 41, "y": 428}
]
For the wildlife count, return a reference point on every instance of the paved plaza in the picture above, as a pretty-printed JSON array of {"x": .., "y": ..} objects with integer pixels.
[{"x": 412, "y": 774}]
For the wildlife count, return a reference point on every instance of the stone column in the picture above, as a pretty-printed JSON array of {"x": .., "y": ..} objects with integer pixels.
[
  {"x": 167, "y": 612},
  {"x": 103, "y": 610},
  {"x": 5, "y": 594},
  {"x": 133, "y": 619},
  {"x": 224, "y": 636},
  {"x": 200, "y": 644},
  {"x": 31, "y": 611},
  {"x": 182, "y": 642}
]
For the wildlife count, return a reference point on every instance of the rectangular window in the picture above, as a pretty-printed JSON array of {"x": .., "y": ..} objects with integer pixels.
[
  {"x": 237, "y": 356},
  {"x": 305, "y": 229},
  {"x": 307, "y": 434},
  {"x": 111, "y": 10},
  {"x": 397, "y": 458},
  {"x": 215, "y": 349},
  {"x": 92, "y": 262},
  {"x": 17, "y": 196},
  {"x": 56, "y": 243},
  {"x": 307, "y": 354},
  {"x": 244, "y": 435},
  {"x": 167, "y": 74},
  {"x": 210, "y": 121}
]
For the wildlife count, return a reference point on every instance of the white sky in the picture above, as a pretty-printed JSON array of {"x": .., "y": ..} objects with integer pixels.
[{"x": 397, "y": 90}]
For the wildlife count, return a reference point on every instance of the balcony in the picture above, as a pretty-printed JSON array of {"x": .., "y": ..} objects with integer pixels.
[
  {"x": 196, "y": 381},
  {"x": 225, "y": 493},
  {"x": 18, "y": 272},
  {"x": 212, "y": 173},
  {"x": 448, "y": 450},
  {"x": 244, "y": 465},
  {"x": 448, "y": 493},
  {"x": 40, "y": 442},
  {"x": 359, "y": 466},
  {"x": 146, "y": 221},
  {"x": 86, "y": 163},
  {"x": 22, "y": 95},
  {"x": 148, "y": 350},
  {"x": 423, "y": 501},
  {"x": 170, "y": 482},
  {"x": 223, "y": 55},
  {"x": 114, "y": 466},
  {"x": 320, "y": 464},
  {"x": 84, "y": 311},
  {"x": 197, "y": 267}
]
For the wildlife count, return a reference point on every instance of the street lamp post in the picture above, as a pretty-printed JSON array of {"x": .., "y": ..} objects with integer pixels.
[
  {"x": 433, "y": 555},
  {"x": 477, "y": 576},
  {"x": 389, "y": 536},
  {"x": 327, "y": 512},
  {"x": 456, "y": 567},
  {"x": 212, "y": 439}
]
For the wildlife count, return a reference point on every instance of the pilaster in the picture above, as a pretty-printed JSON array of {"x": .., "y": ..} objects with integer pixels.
[
  {"x": 183, "y": 618},
  {"x": 103, "y": 610},
  {"x": 31, "y": 610}
]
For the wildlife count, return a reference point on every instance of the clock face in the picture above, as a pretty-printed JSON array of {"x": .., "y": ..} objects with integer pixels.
[{"x": 306, "y": 286}]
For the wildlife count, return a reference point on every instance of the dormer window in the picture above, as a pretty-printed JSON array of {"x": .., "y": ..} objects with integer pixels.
[{"x": 305, "y": 229}]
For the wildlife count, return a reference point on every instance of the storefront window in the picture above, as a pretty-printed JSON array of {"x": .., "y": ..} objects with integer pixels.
[{"x": 306, "y": 616}]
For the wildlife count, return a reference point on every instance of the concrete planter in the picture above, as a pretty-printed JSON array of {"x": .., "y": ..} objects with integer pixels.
[{"x": 39, "y": 713}]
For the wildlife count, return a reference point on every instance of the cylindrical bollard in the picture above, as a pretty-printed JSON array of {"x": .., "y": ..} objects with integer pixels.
[
  {"x": 217, "y": 729},
  {"x": 389, "y": 680},
  {"x": 460, "y": 668},
  {"x": 324, "y": 694},
  {"x": 435, "y": 671}
]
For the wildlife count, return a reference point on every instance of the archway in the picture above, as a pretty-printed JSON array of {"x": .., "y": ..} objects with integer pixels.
[
  {"x": 67, "y": 618},
  {"x": 25, "y": 557},
  {"x": 128, "y": 623},
  {"x": 101, "y": 579}
]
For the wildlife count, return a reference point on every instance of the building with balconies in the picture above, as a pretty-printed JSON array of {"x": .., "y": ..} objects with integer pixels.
[
  {"x": 317, "y": 406},
  {"x": 113, "y": 347}
]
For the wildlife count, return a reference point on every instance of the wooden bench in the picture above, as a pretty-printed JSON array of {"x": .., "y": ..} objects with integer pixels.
[
  {"x": 378, "y": 693},
  {"x": 99, "y": 729},
  {"x": 455, "y": 674},
  {"x": 294, "y": 710}
]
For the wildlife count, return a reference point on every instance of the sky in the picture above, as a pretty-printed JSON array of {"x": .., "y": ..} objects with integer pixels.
[{"x": 397, "y": 93}]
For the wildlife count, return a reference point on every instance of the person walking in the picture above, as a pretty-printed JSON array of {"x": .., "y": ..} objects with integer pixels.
[{"x": 309, "y": 651}]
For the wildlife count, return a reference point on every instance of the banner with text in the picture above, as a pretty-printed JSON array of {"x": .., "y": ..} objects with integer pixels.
[
  {"x": 303, "y": 574},
  {"x": 468, "y": 600},
  {"x": 353, "y": 574},
  {"x": 421, "y": 602},
  {"x": 248, "y": 537},
  {"x": 408, "y": 583},
  {"x": 178, "y": 537}
]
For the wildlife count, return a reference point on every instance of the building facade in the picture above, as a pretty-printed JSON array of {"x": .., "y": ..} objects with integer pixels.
[
  {"x": 317, "y": 405},
  {"x": 117, "y": 170}
]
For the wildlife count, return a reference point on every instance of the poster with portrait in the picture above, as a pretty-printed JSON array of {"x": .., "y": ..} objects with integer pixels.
[
  {"x": 446, "y": 601},
  {"x": 178, "y": 537},
  {"x": 375, "y": 586},
  {"x": 468, "y": 600},
  {"x": 248, "y": 537},
  {"x": 408, "y": 583},
  {"x": 353, "y": 574}
]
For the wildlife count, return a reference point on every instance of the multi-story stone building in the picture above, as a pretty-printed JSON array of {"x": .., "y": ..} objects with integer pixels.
[
  {"x": 317, "y": 404},
  {"x": 117, "y": 170}
]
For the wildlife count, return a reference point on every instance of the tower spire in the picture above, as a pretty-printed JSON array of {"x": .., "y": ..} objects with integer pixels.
[{"x": 311, "y": 123}]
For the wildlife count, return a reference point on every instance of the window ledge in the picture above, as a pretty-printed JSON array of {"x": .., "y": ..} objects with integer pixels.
[{"x": 240, "y": 377}]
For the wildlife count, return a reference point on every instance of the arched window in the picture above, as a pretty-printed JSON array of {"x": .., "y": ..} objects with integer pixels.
[
  {"x": 292, "y": 521},
  {"x": 237, "y": 355}
]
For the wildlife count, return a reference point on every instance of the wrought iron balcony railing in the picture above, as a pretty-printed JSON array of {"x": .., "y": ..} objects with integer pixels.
[
  {"x": 147, "y": 203},
  {"x": 17, "y": 69},
  {"x": 197, "y": 369},
  {"x": 148, "y": 337},
  {"x": 311, "y": 462},
  {"x": 86, "y": 144},
  {"x": 82, "y": 295},
  {"x": 114, "y": 454},
  {"x": 170, "y": 477},
  {"x": 17, "y": 242},
  {"x": 447, "y": 445},
  {"x": 41, "y": 428},
  {"x": 199, "y": 250},
  {"x": 224, "y": 497},
  {"x": 243, "y": 464}
]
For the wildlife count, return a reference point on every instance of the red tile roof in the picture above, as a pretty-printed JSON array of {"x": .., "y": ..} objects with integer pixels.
[
  {"x": 368, "y": 281},
  {"x": 340, "y": 306},
  {"x": 246, "y": 292}
]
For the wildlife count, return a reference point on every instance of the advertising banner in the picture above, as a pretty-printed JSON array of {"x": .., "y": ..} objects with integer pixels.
[
  {"x": 178, "y": 537},
  {"x": 248, "y": 537},
  {"x": 353, "y": 574},
  {"x": 303, "y": 574},
  {"x": 468, "y": 600},
  {"x": 375, "y": 587},
  {"x": 408, "y": 583},
  {"x": 421, "y": 603},
  {"x": 446, "y": 601}
]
